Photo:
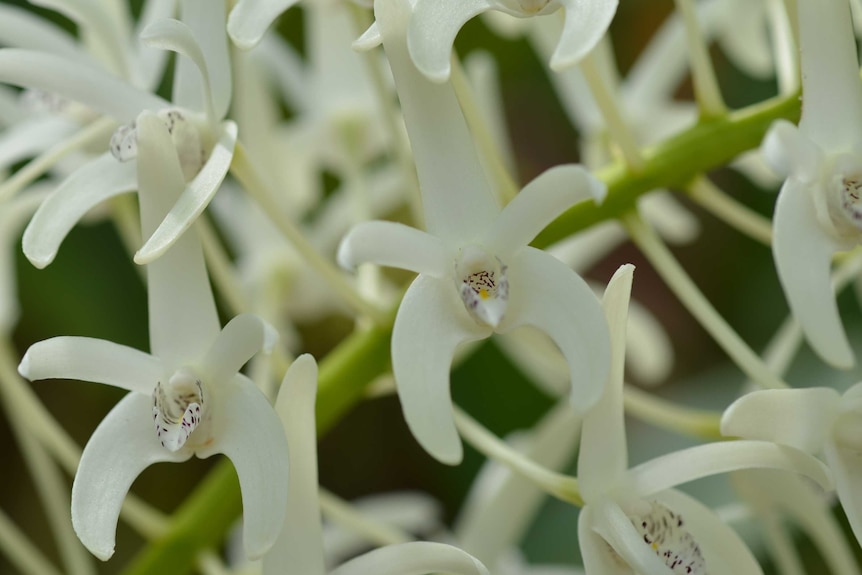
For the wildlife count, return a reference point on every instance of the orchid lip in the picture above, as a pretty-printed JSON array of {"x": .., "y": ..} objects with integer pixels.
[
  {"x": 482, "y": 284},
  {"x": 184, "y": 132},
  {"x": 178, "y": 408},
  {"x": 664, "y": 531}
]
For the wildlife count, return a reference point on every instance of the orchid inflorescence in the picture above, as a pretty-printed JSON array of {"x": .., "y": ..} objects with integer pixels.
[{"x": 394, "y": 153}]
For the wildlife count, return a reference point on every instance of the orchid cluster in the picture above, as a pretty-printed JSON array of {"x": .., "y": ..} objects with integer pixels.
[{"x": 277, "y": 178}]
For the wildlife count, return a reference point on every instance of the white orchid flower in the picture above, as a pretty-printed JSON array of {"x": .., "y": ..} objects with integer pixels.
[
  {"x": 299, "y": 549},
  {"x": 187, "y": 397},
  {"x": 632, "y": 519},
  {"x": 819, "y": 211},
  {"x": 476, "y": 273},
  {"x": 817, "y": 420},
  {"x": 202, "y": 90},
  {"x": 435, "y": 24}
]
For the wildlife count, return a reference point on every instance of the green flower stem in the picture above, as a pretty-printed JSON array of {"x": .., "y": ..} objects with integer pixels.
[
  {"x": 205, "y": 517},
  {"x": 673, "y": 163}
]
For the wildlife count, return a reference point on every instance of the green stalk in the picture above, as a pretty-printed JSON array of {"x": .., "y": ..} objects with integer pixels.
[{"x": 203, "y": 520}]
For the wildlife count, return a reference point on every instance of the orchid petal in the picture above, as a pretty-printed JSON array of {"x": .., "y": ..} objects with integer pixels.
[
  {"x": 415, "y": 558},
  {"x": 150, "y": 64},
  {"x": 608, "y": 520},
  {"x": 586, "y": 21},
  {"x": 430, "y": 324},
  {"x": 32, "y": 137},
  {"x": 249, "y": 20},
  {"x": 603, "y": 455},
  {"x": 89, "y": 86},
  {"x": 723, "y": 550},
  {"x": 596, "y": 555},
  {"x": 183, "y": 318},
  {"x": 846, "y": 466},
  {"x": 432, "y": 31},
  {"x": 746, "y": 44},
  {"x": 801, "y": 418},
  {"x": 289, "y": 70},
  {"x": 298, "y": 550},
  {"x": 660, "y": 67},
  {"x": 546, "y": 294},
  {"x": 803, "y": 255},
  {"x": 539, "y": 203},
  {"x": 456, "y": 196},
  {"x": 22, "y": 29},
  {"x": 242, "y": 337},
  {"x": 394, "y": 245},
  {"x": 369, "y": 39},
  {"x": 831, "y": 92},
  {"x": 122, "y": 446},
  {"x": 248, "y": 432},
  {"x": 10, "y": 106},
  {"x": 206, "y": 20},
  {"x": 92, "y": 16},
  {"x": 194, "y": 199},
  {"x": 87, "y": 187},
  {"x": 12, "y": 217},
  {"x": 788, "y": 151},
  {"x": 711, "y": 459},
  {"x": 90, "y": 359},
  {"x": 173, "y": 35},
  {"x": 504, "y": 505}
]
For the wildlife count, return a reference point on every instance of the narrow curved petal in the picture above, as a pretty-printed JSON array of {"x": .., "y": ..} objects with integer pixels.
[
  {"x": 194, "y": 199},
  {"x": 207, "y": 22},
  {"x": 176, "y": 36},
  {"x": 432, "y": 31},
  {"x": 150, "y": 64},
  {"x": 247, "y": 430},
  {"x": 90, "y": 359},
  {"x": 711, "y": 459},
  {"x": 546, "y": 294},
  {"x": 801, "y": 418},
  {"x": 803, "y": 256},
  {"x": 395, "y": 245},
  {"x": 22, "y": 29},
  {"x": 597, "y": 556},
  {"x": 87, "y": 85},
  {"x": 745, "y": 41},
  {"x": 108, "y": 36},
  {"x": 242, "y": 337},
  {"x": 87, "y": 187},
  {"x": 603, "y": 455},
  {"x": 456, "y": 196},
  {"x": 122, "y": 446},
  {"x": 249, "y": 20},
  {"x": 539, "y": 203},
  {"x": 608, "y": 520},
  {"x": 790, "y": 152},
  {"x": 368, "y": 40},
  {"x": 430, "y": 325},
  {"x": 299, "y": 550},
  {"x": 586, "y": 21},
  {"x": 32, "y": 137},
  {"x": 846, "y": 466},
  {"x": 723, "y": 550},
  {"x": 182, "y": 312},
  {"x": 12, "y": 217},
  {"x": 415, "y": 558},
  {"x": 831, "y": 92}
]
